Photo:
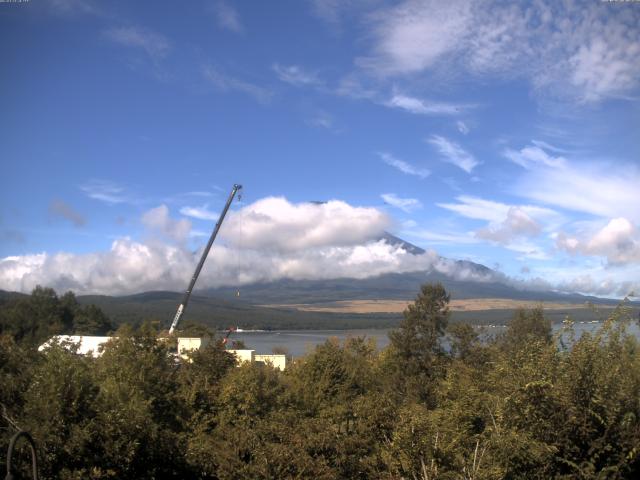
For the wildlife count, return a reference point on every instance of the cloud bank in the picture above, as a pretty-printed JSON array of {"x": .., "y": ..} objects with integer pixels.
[
  {"x": 267, "y": 240},
  {"x": 273, "y": 239}
]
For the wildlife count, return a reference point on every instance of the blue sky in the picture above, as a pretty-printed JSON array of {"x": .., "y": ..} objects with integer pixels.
[{"x": 502, "y": 134}]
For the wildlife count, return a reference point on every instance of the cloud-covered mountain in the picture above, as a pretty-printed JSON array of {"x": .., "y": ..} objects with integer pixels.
[{"x": 270, "y": 240}]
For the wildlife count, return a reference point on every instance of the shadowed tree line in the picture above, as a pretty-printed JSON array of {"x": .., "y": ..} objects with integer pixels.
[
  {"x": 520, "y": 405},
  {"x": 32, "y": 319}
]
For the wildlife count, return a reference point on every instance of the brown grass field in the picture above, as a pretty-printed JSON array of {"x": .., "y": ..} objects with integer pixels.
[{"x": 397, "y": 306}]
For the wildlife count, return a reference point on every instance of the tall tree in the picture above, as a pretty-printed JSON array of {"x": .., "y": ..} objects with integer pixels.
[{"x": 416, "y": 353}]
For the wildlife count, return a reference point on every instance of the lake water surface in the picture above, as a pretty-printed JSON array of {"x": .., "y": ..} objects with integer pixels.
[{"x": 299, "y": 342}]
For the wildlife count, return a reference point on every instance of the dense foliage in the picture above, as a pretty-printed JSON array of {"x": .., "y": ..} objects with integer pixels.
[
  {"x": 522, "y": 405},
  {"x": 34, "y": 318}
]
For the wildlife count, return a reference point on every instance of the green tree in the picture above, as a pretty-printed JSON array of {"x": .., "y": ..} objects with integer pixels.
[
  {"x": 416, "y": 353},
  {"x": 91, "y": 320},
  {"x": 59, "y": 410},
  {"x": 528, "y": 326},
  {"x": 140, "y": 414}
]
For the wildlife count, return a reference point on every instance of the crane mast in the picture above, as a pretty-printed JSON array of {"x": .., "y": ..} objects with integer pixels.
[{"x": 187, "y": 294}]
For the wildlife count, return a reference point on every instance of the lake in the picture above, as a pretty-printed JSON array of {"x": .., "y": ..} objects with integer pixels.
[{"x": 299, "y": 342}]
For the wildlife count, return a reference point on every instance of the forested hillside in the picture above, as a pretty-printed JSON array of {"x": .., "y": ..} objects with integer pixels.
[
  {"x": 522, "y": 405},
  {"x": 32, "y": 319}
]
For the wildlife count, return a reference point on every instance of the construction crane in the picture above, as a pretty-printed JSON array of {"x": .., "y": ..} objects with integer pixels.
[{"x": 187, "y": 294}]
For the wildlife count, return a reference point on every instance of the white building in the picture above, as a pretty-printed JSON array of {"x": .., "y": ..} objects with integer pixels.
[
  {"x": 276, "y": 361},
  {"x": 86, "y": 344},
  {"x": 90, "y": 345}
]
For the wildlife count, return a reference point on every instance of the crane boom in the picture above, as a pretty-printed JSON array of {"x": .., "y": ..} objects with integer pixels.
[{"x": 187, "y": 294}]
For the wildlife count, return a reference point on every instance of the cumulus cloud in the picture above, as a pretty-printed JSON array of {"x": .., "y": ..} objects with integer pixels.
[
  {"x": 274, "y": 223},
  {"x": 58, "y": 208},
  {"x": 587, "y": 51},
  {"x": 131, "y": 266},
  {"x": 600, "y": 284},
  {"x": 618, "y": 241},
  {"x": 407, "y": 205},
  {"x": 512, "y": 226},
  {"x": 403, "y": 166},
  {"x": 267, "y": 240},
  {"x": 158, "y": 221},
  {"x": 453, "y": 153},
  {"x": 517, "y": 223}
]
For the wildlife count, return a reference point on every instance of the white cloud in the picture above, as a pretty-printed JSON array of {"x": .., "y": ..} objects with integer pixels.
[
  {"x": 201, "y": 213},
  {"x": 127, "y": 267},
  {"x": 296, "y": 75},
  {"x": 601, "y": 286},
  {"x": 462, "y": 127},
  {"x": 603, "y": 190},
  {"x": 608, "y": 63},
  {"x": 407, "y": 205},
  {"x": 477, "y": 208},
  {"x": 443, "y": 238},
  {"x": 106, "y": 191},
  {"x": 227, "y": 83},
  {"x": 481, "y": 209},
  {"x": 532, "y": 157},
  {"x": 595, "y": 278},
  {"x": 511, "y": 226},
  {"x": 618, "y": 241},
  {"x": 414, "y": 35},
  {"x": 516, "y": 224},
  {"x": 422, "y": 107},
  {"x": 586, "y": 51},
  {"x": 453, "y": 153},
  {"x": 158, "y": 221},
  {"x": 273, "y": 223},
  {"x": 267, "y": 240},
  {"x": 547, "y": 146},
  {"x": 403, "y": 166},
  {"x": 227, "y": 17},
  {"x": 155, "y": 45}
]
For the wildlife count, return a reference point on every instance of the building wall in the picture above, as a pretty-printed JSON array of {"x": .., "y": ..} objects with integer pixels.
[
  {"x": 86, "y": 344},
  {"x": 243, "y": 355},
  {"x": 276, "y": 361},
  {"x": 189, "y": 344}
]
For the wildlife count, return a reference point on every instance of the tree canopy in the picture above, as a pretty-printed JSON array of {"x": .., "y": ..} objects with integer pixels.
[{"x": 522, "y": 405}]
